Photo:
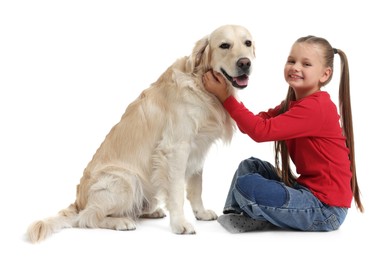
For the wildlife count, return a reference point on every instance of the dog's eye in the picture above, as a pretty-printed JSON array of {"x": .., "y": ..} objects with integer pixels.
[
  {"x": 248, "y": 43},
  {"x": 225, "y": 45}
]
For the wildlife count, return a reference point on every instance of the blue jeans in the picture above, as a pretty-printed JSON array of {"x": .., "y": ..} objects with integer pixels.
[{"x": 257, "y": 190}]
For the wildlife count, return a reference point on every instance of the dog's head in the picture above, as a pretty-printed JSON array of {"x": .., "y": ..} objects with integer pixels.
[{"x": 228, "y": 50}]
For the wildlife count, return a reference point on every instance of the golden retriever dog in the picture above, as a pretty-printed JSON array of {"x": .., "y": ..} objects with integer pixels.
[{"x": 155, "y": 154}]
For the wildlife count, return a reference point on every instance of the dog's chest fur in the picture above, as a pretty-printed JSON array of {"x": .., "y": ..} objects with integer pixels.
[{"x": 202, "y": 111}]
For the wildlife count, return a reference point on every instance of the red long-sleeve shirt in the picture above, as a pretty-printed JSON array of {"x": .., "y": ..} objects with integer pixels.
[{"x": 314, "y": 139}]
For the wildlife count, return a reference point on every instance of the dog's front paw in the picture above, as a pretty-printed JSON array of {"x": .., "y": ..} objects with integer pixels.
[
  {"x": 183, "y": 228},
  {"x": 205, "y": 215}
]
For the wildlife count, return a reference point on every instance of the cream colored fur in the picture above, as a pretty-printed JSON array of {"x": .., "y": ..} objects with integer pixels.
[{"x": 155, "y": 154}]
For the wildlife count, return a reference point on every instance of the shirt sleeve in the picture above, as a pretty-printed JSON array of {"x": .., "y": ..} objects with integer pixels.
[{"x": 304, "y": 118}]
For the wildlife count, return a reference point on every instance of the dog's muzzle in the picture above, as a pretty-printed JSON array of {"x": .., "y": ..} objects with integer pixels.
[{"x": 243, "y": 66}]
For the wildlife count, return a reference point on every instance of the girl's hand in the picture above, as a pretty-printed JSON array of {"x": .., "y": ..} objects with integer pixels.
[{"x": 215, "y": 83}]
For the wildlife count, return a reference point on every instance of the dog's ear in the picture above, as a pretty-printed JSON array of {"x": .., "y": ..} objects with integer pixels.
[{"x": 198, "y": 60}]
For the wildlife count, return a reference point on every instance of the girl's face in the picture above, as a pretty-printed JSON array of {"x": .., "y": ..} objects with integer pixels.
[{"x": 304, "y": 70}]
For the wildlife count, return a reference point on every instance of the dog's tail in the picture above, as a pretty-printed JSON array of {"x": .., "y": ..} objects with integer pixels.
[{"x": 41, "y": 229}]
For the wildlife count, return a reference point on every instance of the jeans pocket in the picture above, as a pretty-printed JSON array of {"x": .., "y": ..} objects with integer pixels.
[{"x": 329, "y": 221}]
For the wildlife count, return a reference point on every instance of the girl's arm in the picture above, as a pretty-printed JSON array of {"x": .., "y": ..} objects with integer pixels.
[{"x": 303, "y": 119}]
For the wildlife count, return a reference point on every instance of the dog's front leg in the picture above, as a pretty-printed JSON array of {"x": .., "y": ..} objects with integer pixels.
[
  {"x": 194, "y": 189},
  {"x": 177, "y": 161}
]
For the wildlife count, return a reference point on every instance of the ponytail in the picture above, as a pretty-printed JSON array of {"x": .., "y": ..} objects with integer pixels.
[{"x": 347, "y": 123}]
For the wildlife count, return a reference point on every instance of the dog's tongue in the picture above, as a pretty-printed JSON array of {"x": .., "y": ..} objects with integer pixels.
[{"x": 241, "y": 80}]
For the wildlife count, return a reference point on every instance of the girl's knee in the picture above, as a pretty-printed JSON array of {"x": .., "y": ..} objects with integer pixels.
[
  {"x": 262, "y": 191},
  {"x": 249, "y": 163}
]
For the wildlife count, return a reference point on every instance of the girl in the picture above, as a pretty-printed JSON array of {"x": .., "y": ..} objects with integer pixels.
[{"x": 306, "y": 129}]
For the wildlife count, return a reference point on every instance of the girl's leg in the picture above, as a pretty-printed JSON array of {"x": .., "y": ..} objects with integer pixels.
[
  {"x": 248, "y": 166},
  {"x": 290, "y": 208}
]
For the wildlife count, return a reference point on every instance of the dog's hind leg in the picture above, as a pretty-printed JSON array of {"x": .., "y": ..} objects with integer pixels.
[
  {"x": 158, "y": 213},
  {"x": 152, "y": 210},
  {"x": 113, "y": 202}
]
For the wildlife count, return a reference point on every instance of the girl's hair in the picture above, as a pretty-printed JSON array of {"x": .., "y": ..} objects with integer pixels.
[{"x": 285, "y": 171}]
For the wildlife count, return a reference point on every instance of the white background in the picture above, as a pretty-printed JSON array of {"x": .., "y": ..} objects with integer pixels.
[{"x": 68, "y": 69}]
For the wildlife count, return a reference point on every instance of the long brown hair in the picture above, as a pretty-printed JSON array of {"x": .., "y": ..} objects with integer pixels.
[{"x": 285, "y": 171}]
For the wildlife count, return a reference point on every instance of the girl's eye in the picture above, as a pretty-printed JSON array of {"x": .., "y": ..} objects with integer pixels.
[
  {"x": 307, "y": 64},
  {"x": 290, "y": 62}
]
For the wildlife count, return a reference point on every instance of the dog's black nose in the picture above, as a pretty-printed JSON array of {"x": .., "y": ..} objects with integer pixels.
[{"x": 244, "y": 64}]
